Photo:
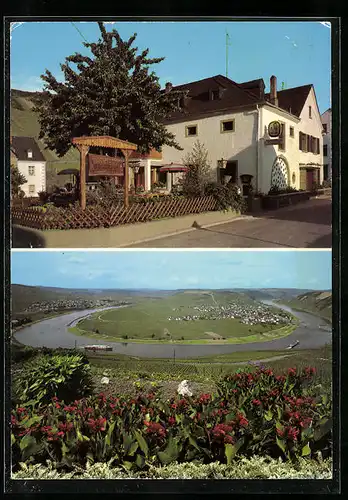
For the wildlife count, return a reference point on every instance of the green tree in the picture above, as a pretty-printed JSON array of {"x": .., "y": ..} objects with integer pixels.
[
  {"x": 199, "y": 172},
  {"x": 17, "y": 180},
  {"x": 111, "y": 93}
]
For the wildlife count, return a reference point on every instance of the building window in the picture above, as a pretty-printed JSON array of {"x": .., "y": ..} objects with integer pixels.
[
  {"x": 325, "y": 150},
  {"x": 31, "y": 170},
  {"x": 325, "y": 128},
  {"x": 281, "y": 146},
  {"x": 31, "y": 188},
  {"x": 191, "y": 130},
  {"x": 310, "y": 111},
  {"x": 214, "y": 95},
  {"x": 292, "y": 132},
  {"x": 326, "y": 172},
  {"x": 227, "y": 126},
  {"x": 30, "y": 153},
  {"x": 303, "y": 142}
]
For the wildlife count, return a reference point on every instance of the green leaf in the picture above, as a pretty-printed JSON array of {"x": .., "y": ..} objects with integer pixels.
[
  {"x": 26, "y": 442},
  {"x": 142, "y": 443},
  {"x": 90, "y": 457},
  {"x": 133, "y": 448},
  {"x": 140, "y": 461},
  {"x": 13, "y": 439},
  {"x": 281, "y": 443},
  {"x": 306, "y": 450},
  {"x": 194, "y": 442},
  {"x": 324, "y": 427},
  {"x": 229, "y": 452},
  {"x": 127, "y": 465},
  {"x": 268, "y": 416},
  {"x": 109, "y": 433}
]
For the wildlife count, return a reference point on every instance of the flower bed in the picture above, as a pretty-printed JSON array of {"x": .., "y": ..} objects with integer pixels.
[
  {"x": 253, "y": 414},
  {"x": 275, "y": 201}
]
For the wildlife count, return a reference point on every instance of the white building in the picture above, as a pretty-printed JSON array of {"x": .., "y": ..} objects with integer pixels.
[
  {"x": 326, "y": 120},
  {"x": 232, "y": 120},
  {"x": 31, "y": 163}
]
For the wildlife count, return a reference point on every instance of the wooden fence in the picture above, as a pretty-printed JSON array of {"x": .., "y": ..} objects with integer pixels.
[{"x": 95, "y": 216}]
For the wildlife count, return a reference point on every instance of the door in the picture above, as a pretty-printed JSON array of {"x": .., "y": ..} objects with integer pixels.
[{"x": 310, "y": 180}]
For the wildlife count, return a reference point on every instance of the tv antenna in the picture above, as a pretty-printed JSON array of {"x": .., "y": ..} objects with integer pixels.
[{"x": 228, "y": 44}]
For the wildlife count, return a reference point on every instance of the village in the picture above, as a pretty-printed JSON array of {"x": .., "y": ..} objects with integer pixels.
[
  {"x": 249, "y": 314},
  {"x": 72, "y": 304}
]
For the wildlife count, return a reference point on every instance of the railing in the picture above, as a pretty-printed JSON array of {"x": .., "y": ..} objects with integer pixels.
[{"x": 115, "y": 215}]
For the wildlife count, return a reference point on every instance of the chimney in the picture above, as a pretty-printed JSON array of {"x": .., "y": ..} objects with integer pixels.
[
  {"x": 273, "y": 91},
  {"x": 169, "y": 87}
]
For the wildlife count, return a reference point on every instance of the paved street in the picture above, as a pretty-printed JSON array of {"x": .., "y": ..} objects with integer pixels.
[{"x": 306, "y": 225}]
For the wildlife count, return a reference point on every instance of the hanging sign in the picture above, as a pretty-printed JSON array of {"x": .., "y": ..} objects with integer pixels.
[
  {"x": 105, "y": 165},
  {"x": 274, "y": 129},
  {"x": 273, "y": 142}
]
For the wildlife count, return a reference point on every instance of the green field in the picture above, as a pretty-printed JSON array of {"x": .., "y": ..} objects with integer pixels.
[{"x": 148, "y": 320}]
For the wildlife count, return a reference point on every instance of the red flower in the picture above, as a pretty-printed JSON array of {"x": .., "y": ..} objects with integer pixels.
[
  {"x": 280, "y": 378},
  {"x": 280, "y": 432},
  {"x": 69, "y": 408},
  {"x": 13, "y": 420},
  {"x": 97, "y": 425},
  {"x": 173, "y": 405},
  {"x": 292, "y": 371},
  {"x": 54, "y": 398},
  {"x": 171, "y": 420},
  {"x": 21, "y": 410},
  {"x": 293, "y": 433},
  {"x": 205, "y": 398},
  {"x": 256, "y": 402},
  {"x": 228, "y": 439},
  {"x": 60, "y": 434},
  {"x": 46, "y": 429},
  {"x": 234, "y": 390},
  {"x": 57, "y": 405},
  {"x": 66, "y": 427},
  {"x": 156, "y": 429},
  {"x": 242, "y": 420}
]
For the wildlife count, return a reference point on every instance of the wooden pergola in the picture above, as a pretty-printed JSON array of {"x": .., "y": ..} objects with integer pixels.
[{"x": 104, "y": 141}]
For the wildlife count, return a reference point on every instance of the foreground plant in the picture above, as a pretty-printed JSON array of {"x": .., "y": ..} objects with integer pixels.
[{"x": 254, "y": 413}]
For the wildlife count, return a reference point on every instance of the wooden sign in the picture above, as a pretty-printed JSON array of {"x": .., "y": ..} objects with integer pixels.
[
  {"x": 273, "y": 142},
  {"x": 105, "y": 166}
]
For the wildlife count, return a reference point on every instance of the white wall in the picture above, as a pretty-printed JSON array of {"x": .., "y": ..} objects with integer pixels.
[
  {"x": 239, "y": 145},
  {"x": 268, "y": 154},
  {"x": 327, "y": 119},
  {"x": 312, "y": 126},
  {"x": 38, "y": 179}
]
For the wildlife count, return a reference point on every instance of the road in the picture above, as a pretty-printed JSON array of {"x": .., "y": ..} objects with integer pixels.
[
  {"x": 312, "y": 332},
  {"x": 306, "y": 225}
]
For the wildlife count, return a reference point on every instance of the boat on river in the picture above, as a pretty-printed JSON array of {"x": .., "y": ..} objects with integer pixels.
[{"x": 97, "y": 347}]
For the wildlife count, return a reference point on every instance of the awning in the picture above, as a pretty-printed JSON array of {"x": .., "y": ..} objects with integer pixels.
[
  {"x": 69, "y": 171},
  {"x": 173, "y": 167}
]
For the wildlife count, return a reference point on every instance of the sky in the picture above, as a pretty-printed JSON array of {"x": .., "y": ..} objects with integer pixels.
[
  {"x": 171, "y": 270},
  {"x": 297, "y": 53}
]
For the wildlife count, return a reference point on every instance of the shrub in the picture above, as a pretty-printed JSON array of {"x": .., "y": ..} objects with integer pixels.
[
  {"x": 43, "y": 196},
  {"x": 253, "y": 468},
  {"x": 275, "y": 190},
  {"x": 254, "y": 414},
  {"x": 66, "y": 376},
  {"x": 199, "y": 172},
  {"x": 226, "y": 196}
]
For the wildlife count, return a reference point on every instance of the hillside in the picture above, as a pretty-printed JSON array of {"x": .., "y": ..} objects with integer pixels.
[
  {"x": 24, "y": 123},
  {"x": 318, "y": 302}
]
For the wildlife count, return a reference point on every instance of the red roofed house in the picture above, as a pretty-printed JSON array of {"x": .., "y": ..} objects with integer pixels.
[{"x": 232, "y": 120}]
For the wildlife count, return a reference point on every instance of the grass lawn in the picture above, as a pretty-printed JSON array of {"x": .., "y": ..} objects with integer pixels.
[{"x": 148, "y": 320}]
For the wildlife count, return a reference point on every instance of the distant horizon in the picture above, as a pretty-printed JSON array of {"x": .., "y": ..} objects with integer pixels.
[
  {"x": 175, "y": 289},
  {"x": 173, "y": 270}
]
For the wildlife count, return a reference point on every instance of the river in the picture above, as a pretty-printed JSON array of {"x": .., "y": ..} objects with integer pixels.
[{"x": 312, "y": 332}]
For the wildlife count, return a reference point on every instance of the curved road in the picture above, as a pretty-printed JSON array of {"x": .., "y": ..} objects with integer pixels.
[{"x": 312, "y": 333}]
